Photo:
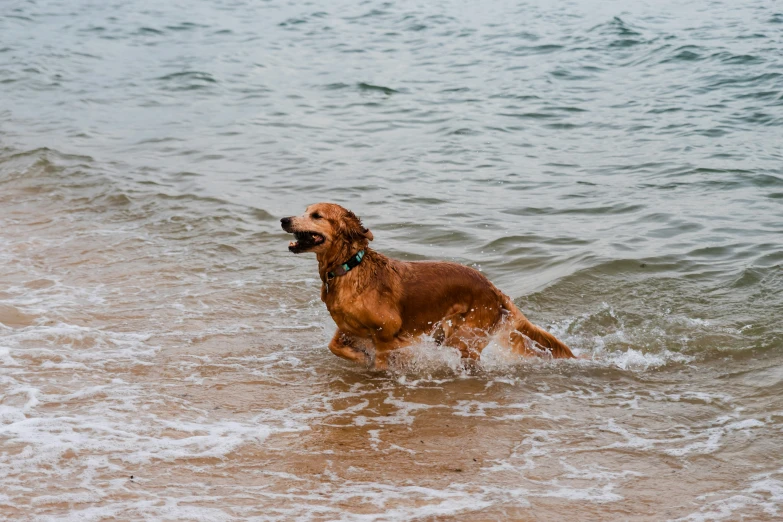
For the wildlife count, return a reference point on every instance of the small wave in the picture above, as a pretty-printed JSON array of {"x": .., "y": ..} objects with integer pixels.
[
  {"x": 380, "y": 88},
  {"x": 188, "y": 80},
  {"x": 186, "y": 26},
  {"x": 149, "y": 31}
]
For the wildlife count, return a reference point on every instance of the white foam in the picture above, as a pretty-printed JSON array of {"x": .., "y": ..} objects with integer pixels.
[
  {"x": 633, "y": 359},
  {"x": 763, "y": 495},
  {"x": 690, "y": 396},
  {"x": 696, "y": 441},
  {"x": 5, "y": 357}
]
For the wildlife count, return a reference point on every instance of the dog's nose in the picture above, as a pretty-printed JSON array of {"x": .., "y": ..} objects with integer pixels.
[{"x": 285, "y": 222}]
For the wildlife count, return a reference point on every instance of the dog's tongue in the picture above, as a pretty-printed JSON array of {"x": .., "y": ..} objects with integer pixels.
[{"x": 293, "y": 243}]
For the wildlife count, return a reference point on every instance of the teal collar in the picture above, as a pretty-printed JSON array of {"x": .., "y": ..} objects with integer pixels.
[{"x": 347, "y": 266}]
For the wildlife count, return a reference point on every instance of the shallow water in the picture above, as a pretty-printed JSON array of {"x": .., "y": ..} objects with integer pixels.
[{"x": 615, "y": 168}]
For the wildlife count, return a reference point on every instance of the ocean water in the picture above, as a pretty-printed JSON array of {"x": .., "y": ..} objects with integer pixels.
[{"x": 615, "y": 167}]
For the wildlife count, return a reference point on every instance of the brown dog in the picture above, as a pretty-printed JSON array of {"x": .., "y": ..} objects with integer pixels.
[{"x": 390, "y": 303}]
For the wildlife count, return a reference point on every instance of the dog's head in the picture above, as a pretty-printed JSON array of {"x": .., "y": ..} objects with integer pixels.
[{"x": 326, "y": 227}]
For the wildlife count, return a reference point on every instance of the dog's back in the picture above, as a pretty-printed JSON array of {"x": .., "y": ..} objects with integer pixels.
[{"x": 433, "y": 291}]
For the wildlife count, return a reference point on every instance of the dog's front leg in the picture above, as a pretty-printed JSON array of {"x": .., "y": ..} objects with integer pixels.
[
  {"x": 379, "y": 323},
  {"x": 347, "y": 346},
  {"x": 381, "y": 359},
  {"x": 382, "y": 353}
]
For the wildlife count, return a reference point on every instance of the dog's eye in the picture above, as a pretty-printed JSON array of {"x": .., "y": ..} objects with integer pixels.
[{"x": 315, "y": 215}]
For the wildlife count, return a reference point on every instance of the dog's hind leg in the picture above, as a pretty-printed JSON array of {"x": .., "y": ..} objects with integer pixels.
[
  {"x": 524, "y": 331},
  {"x": 518, "y": 333}
]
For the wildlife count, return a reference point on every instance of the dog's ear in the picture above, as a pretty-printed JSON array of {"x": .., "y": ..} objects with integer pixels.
[
  {"x": 355, "y": 229},
  {"x": 367, "y": 234}
]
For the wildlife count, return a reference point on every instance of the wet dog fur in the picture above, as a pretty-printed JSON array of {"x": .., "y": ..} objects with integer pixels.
[{"x": 388, "y": 303}]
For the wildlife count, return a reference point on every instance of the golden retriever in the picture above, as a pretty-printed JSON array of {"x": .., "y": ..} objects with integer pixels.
[{"x": 389, "y": 303}]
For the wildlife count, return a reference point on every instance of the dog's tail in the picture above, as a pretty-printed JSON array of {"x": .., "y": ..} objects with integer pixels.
[{"x": 520, "y": 325}]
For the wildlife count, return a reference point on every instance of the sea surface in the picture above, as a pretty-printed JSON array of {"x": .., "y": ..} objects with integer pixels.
[{"x": 616, "y": 167}]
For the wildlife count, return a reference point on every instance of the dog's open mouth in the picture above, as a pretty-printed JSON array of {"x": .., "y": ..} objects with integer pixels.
[{"x": 305, "y": 241}]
